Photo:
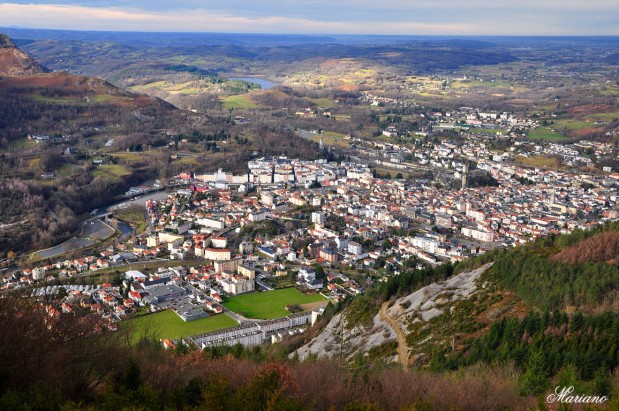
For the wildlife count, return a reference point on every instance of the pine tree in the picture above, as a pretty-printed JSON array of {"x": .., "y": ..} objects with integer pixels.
[
  {"x": 602, "y": 383},
  {"x": 535, "y": 379}
]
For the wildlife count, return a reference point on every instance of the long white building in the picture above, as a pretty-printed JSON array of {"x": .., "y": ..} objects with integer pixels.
[{"x": 251, "y": 334}]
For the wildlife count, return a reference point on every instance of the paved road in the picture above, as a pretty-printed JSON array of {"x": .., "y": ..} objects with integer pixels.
[
  {"x": 264, "y": 285},
  {"x": 238, "y": 318},
  {"x": 226, "y": 230},
  {"x": 141, "y": 200}
]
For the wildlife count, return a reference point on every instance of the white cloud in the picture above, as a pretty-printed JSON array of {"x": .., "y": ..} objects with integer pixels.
[{"x": 447, "y": 17}]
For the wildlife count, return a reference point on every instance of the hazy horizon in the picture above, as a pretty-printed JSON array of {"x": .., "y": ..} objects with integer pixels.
[
  {"x": 320, "y": 17},
  {"x": 318, "y": 35}
]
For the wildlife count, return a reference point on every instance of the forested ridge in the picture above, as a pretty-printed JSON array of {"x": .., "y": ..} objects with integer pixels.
[
  {"x": 535, "y": 272},
  {"x": 549, "y": 347},
  {"x": 538, "y": 273},
  {"x": 568, "y": 333}
]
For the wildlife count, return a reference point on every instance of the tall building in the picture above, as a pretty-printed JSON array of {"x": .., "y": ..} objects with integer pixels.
[
  {"x": 318, "y": 218},
  {"x": 465, "y": 172},
  {"x": 266, "y": 198},
  {"x": 238, "y": 285}
]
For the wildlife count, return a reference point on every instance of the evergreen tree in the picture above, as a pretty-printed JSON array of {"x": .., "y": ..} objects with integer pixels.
[
  {"x": 602, "y": 383},
  {"x": 535, "y": 379}
]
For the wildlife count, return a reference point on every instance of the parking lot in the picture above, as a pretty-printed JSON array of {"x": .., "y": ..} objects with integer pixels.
[{"x": 186, "y": 306}]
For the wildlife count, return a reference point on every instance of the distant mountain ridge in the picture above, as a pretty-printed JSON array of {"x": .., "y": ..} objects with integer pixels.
[
  {"x": 16, "y": 63},
  {"x": 32, "y": 95}
]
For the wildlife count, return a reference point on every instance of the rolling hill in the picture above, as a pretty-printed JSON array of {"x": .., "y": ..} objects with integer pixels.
[
  {"x": 32, "y": 99},
  {"x": 71, "y": 108},
  {"x": 14, "y": 62}
]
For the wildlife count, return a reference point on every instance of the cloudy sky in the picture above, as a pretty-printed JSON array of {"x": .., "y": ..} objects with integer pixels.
[{"x": 414, "y": 17}]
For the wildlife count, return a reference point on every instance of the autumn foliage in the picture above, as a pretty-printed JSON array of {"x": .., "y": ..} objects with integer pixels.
[
  {"x": 68, "y": 362},
  {"x": 602, "y": 247}
]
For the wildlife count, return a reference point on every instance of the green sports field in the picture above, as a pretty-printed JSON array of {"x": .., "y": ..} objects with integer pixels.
[
  {"x": 166, "y": 324},
  {"x": 269, "y": 304}
]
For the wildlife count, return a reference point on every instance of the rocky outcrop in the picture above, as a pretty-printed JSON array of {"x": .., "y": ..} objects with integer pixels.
[
  {"x": 16, "y": 63},
  {"x": 342, "y": 339}
]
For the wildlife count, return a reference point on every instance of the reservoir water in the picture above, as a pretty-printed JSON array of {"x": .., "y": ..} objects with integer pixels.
[
  {"x": 124, "y": 228},
  {"x": 263, "y": 83}
]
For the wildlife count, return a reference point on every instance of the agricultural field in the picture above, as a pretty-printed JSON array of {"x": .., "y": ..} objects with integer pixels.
[
  {"x": 609, "y": 89},
  {"x": 21, "y": 144},
  {"x": 496, "y": 85},
  {"x": 166, "y": 324},
  {"x": 322, "y": 102},
  {"x": 545, "y": 133},
  {"x": 165, "y": 85},
  {"x": 607, "y": 117},
  {"x": 571, "y": 125},
  {"x": 187, "y": 88},
  {"x": 269, "y": 304},
  {"x": 131, "y": 157},
  {"x": 111, "y": 172},
  {"x": 333, "y": 134},
  {"x": 69, "y": 100},
  {"x": 67, "y": 170},
  {"x": 242, "y": 101},
  {"x": 557, "y": 128},
  {"x": 332, "y": 140},
  {"x": 191, "y": 161},
  {"x": 539, "y": 161}
]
